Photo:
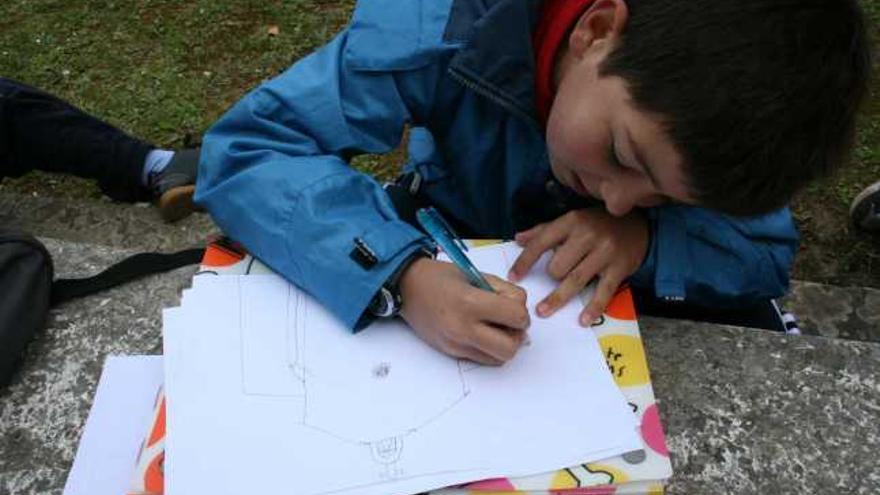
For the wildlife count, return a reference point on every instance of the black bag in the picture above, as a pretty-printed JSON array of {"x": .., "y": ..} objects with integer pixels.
[
  {"x": 26, "y": 286},
  {"x": 27, "y": 289}
]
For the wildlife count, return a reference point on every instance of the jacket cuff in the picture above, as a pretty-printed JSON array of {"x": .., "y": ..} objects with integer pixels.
[
  {"x": 664, "y": 267},
  {"x": 367, "y": 317},
  {"x": 644, "y": 276},
  {"x": 388, "y": 247}
]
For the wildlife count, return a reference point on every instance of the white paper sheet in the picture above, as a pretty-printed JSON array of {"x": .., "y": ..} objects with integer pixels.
[
  {"x": 116, "y": 427},
  {"x": 267, "y": 392}
]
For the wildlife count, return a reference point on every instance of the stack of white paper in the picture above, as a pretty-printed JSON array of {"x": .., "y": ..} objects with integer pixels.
[
  {"x": 267, "y": 392},
  {"x": 112, "y": 436}
]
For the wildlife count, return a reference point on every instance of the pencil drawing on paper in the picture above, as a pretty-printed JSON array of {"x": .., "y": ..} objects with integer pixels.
[{"x": 349, "y": 388}]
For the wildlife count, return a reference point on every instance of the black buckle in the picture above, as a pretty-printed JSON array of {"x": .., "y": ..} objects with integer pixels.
[
  {"x": 363, "y": 255},
  {"x": 411, "y": 181}
]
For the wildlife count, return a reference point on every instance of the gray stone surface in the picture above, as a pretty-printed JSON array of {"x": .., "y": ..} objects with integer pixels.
[
  {"x": 745, "y": 411},
  {"x": 120, "y": 225},
  {"x": 42, "y": 412},
  {"x": 750, "y": 411},
  {"x": 839, "y": 312}
]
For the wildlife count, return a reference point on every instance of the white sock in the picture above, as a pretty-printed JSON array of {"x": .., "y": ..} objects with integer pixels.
[{"x": 155, "y": 162}]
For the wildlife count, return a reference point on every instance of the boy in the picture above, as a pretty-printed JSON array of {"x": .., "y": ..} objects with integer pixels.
[{"x": 621, "y": 134}]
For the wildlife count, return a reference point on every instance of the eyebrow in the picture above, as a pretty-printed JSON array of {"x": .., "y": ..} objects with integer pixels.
[{"x": 640, "y": 161}]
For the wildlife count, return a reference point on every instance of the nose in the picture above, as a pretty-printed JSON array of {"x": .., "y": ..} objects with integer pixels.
[{"x": 618, "y": 200}]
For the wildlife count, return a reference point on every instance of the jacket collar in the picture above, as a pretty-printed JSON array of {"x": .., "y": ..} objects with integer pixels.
[{"x": 497, "y": 58}]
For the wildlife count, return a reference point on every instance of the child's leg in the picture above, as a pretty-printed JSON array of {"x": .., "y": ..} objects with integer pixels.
[{"x": 39, "y": 131}]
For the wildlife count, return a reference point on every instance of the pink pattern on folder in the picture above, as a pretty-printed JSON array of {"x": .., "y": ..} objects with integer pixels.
[
  {"x": 652, "y": 431},
  {"x": 495, "y": 484}
]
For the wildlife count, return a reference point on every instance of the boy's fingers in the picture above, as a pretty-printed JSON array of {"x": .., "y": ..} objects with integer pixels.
[
  {"x": 548, "y": 238},
  {"x": 507, "y": 310},
  {"x": 607, "y": 286},
  {"x": 576, "y": 280},
  {"x": 507, "y": 289},
  {"x": 480, "y": 357},
  {"x": 475, "y": 355},
  {"x": 566, "y": 257},
  {"x": 522, "y": 238},
  {"x": 498, "y": 343}
]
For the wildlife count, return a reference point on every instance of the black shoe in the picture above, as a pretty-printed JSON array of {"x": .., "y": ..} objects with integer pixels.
[
  {"x": 865, "y": 209},
  {"x": 174, "y": 186}
]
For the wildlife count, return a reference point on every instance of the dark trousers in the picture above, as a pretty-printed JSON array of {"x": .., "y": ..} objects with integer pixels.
[{"x": 41, "y": 132}]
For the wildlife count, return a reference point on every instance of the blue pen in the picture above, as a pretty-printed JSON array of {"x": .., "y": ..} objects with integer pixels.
[{"x": 445, "y": 237}]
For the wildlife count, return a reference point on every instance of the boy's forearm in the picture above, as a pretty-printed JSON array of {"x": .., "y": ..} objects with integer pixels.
[
  {"x": 273, "y": 177},
  {"x": 310, "y": 238}
]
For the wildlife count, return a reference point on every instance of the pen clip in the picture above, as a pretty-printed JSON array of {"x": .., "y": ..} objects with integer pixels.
[
  {"x": 443, "y": 235},
  {"x": 448, "y": 228}
]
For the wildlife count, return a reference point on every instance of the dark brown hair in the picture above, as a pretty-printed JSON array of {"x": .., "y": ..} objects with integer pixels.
[{"x": 759, "y": 96}]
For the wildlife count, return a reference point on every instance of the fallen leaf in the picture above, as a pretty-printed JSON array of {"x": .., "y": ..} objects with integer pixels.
[{"x": 273, "y": 30}]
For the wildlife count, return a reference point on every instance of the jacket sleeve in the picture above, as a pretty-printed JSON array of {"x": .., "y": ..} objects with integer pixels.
[
  {"x": 274, "y": 176},
  {"x": 712, "y": 259}
]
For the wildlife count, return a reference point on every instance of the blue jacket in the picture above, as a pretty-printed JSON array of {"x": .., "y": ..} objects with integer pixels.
[{"x": 274, "y": 170}]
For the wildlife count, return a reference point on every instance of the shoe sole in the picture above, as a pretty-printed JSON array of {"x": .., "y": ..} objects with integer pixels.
[
  {"x": 873, "y": 188},
  {"x": 863, "y": 210},
  {"x": 177, "y": 203}
]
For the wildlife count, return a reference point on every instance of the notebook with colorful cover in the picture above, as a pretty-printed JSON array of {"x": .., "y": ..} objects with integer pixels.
[{"x": 639, "y": 472}]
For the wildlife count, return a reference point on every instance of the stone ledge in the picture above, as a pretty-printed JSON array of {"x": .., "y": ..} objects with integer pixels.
[
  {"x": 43, "y": 411},
  {"x": 119, "y": 225},
  {"x": 750, "y": 411},
  {"x": 836, "y": 312}
]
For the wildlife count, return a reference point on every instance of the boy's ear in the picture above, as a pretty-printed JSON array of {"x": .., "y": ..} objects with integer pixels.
[{"x": 602, "y": 22}]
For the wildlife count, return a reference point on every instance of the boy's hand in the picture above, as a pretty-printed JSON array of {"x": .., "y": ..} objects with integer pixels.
[
  {"x": 587, "y": 243},
  {"x": 459, "y": 319}
]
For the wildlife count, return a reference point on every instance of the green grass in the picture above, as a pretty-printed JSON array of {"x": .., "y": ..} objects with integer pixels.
[
  {"x": 165, "y": 70},
  {"x": 160, "y": 69}
]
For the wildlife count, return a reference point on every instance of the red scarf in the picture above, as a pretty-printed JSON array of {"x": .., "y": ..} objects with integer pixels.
[{"x": 557, "y": 19}]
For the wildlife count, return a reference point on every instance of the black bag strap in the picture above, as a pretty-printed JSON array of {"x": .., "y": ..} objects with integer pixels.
[{"x": 131, "y": 268}]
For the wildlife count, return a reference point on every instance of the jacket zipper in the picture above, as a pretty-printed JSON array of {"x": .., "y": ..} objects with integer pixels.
[{"x": 491, "y": 96}]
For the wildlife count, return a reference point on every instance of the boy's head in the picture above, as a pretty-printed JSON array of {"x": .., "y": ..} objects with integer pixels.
[{"x": 730, "y": 104}]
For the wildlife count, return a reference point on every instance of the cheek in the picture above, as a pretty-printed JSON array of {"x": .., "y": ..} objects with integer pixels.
[
  {"x": 633, "y": 191},
  {"x": 555, "y": 135},
  {"x": 573, "y": 145}
]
